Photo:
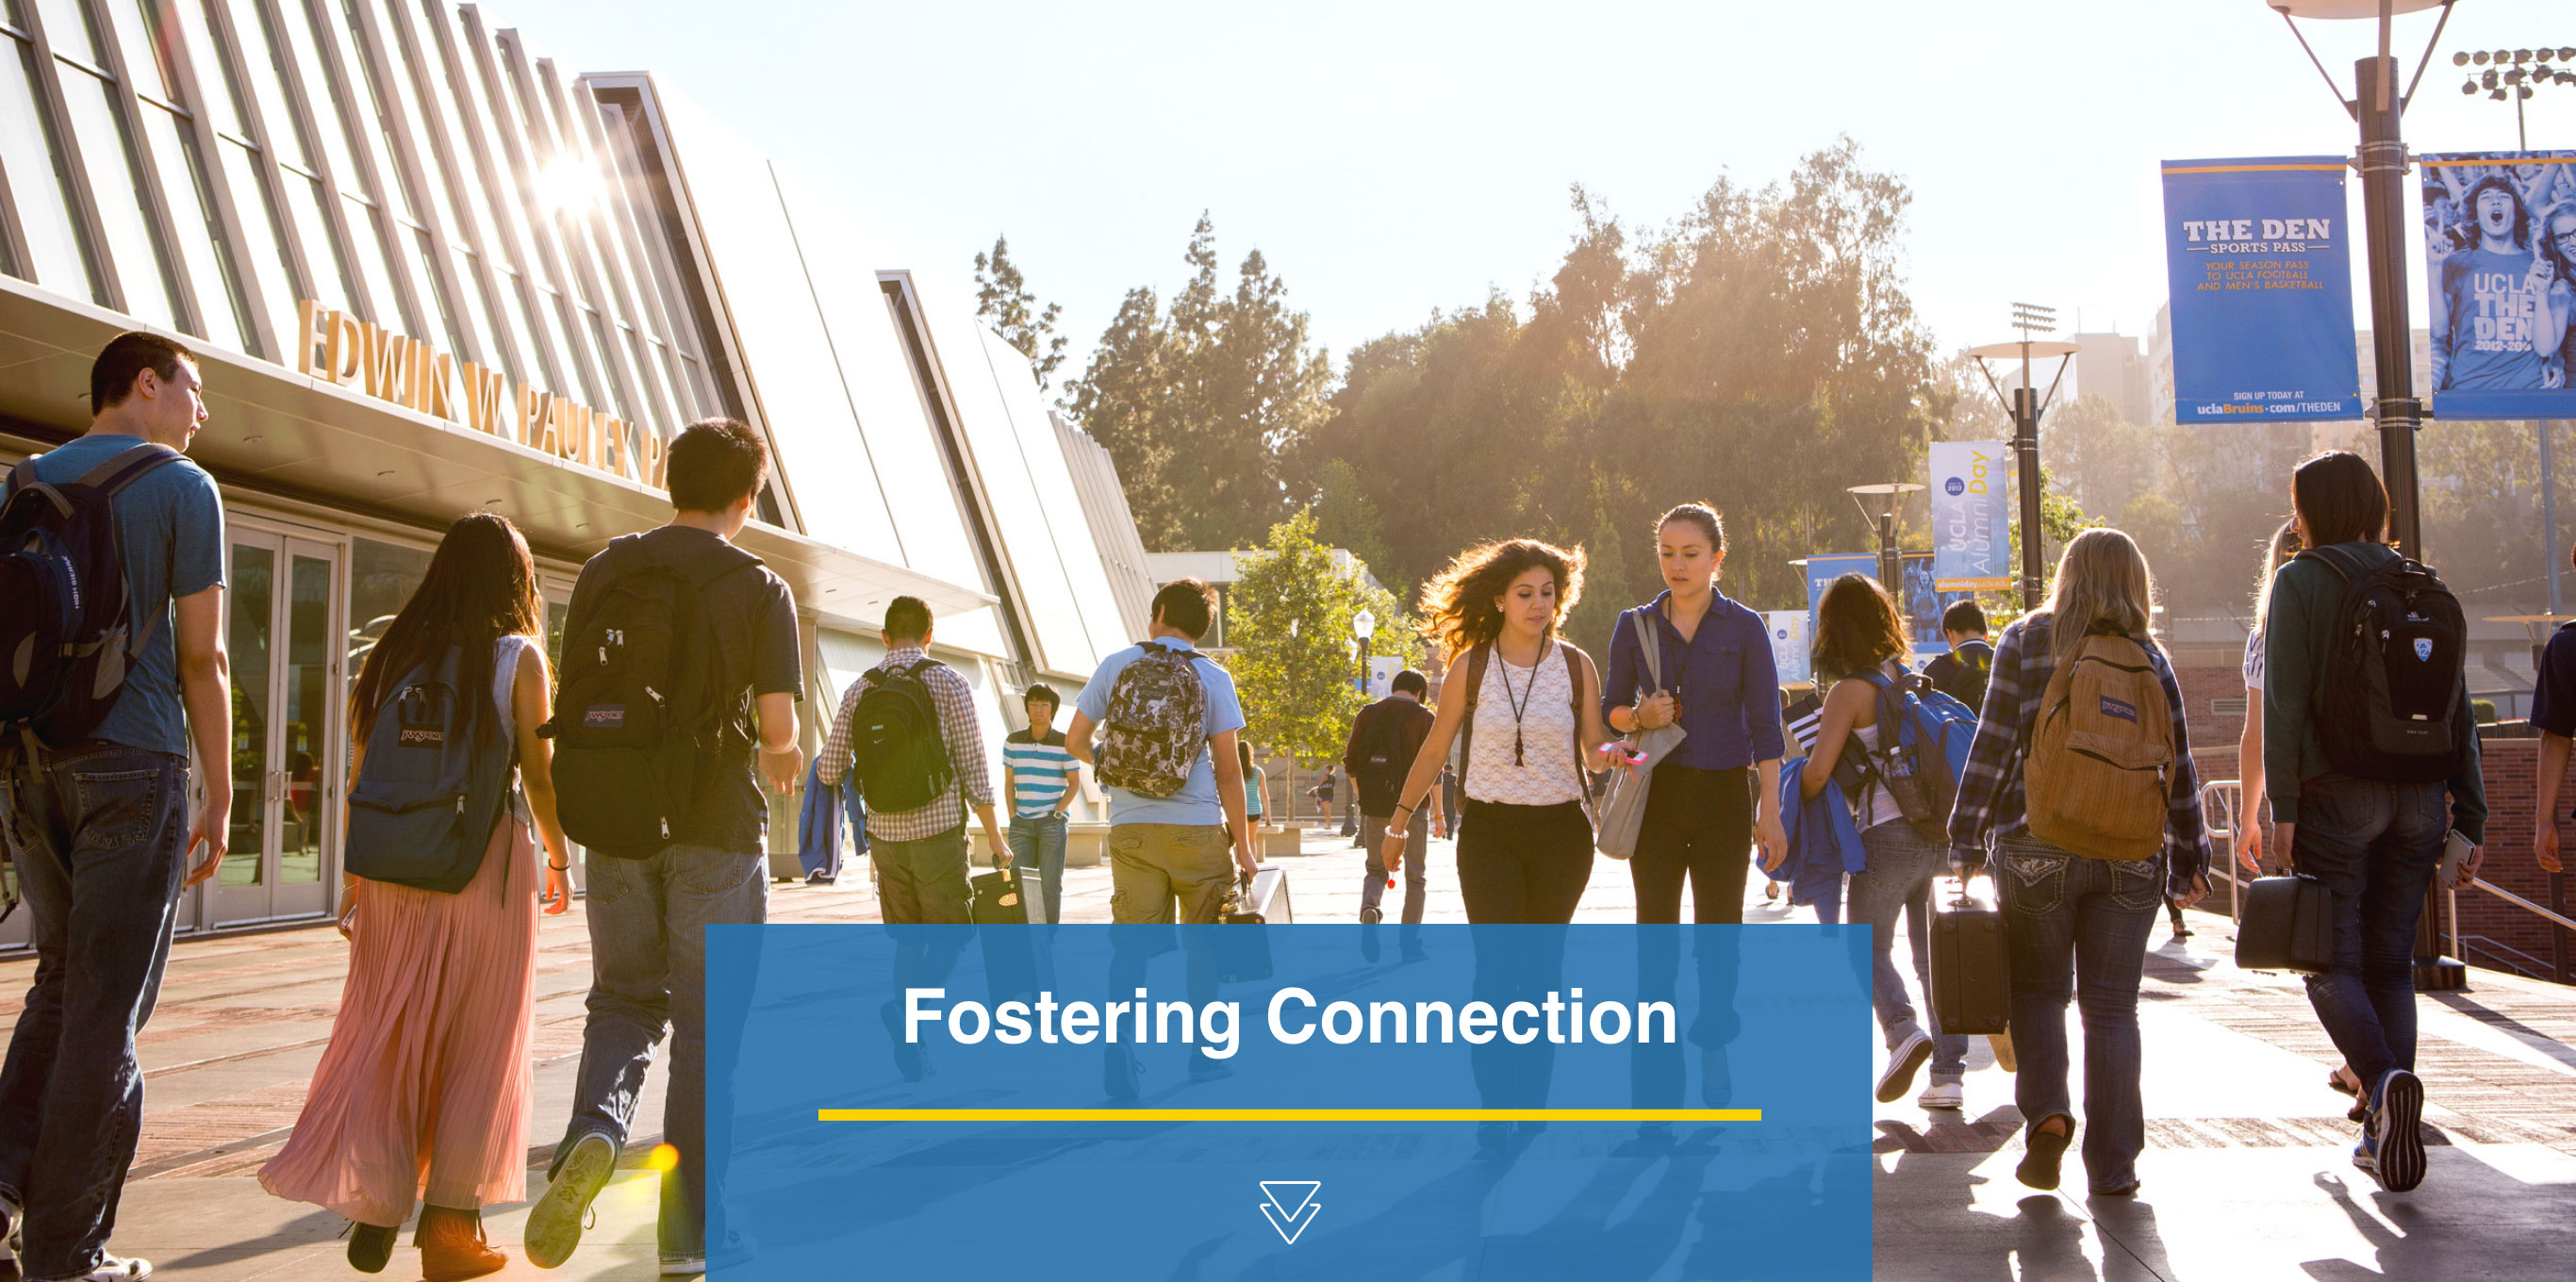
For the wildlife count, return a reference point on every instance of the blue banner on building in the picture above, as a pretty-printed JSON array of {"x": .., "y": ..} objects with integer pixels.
[
  {"x": 1971, "y": 530},
  {"x": 1918, "y": 602},
  {"x": 2259, "y": 266},
  {"x": 2500, "y": 260},
  {"x": 1515, "y": 1101}
]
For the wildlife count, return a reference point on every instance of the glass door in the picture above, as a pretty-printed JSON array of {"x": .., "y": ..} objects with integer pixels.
[{"x": 282, "y": 635}]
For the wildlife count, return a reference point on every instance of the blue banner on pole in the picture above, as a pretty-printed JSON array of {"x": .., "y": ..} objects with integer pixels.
[
  {"x": 1971, "y": 534},
  {"x": 1246, "y": 1101},
  {"x": 2259, "y": 267},
  {"x": 2500, "y": 259},
  {"x": 1918, "y": 601}
]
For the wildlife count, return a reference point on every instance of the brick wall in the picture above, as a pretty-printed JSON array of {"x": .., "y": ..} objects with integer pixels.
[{"x": 2512, "y": 779}]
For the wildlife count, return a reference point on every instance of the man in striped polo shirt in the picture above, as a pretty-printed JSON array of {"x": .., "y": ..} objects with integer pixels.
[{"x": 1039, "y": 775}]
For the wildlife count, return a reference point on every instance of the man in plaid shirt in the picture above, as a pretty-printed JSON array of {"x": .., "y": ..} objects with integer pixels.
[
  {"x": 1990, "y": 802},
  {"x": 920, "y": 854}
]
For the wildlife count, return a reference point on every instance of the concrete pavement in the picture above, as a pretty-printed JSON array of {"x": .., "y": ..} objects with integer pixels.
[{"x": 2246, "y": 1174}]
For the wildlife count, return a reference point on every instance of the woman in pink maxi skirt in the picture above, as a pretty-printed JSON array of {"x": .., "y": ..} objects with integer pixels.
[{"x": 424, "y": 1092}]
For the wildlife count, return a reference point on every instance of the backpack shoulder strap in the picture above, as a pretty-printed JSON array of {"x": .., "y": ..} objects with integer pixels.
[
  {"x": 2337, "y": 559},
  {"x": 125, "y": 467},
  {"x": 1477, "y": 656},
  {"x": 1574, "y": 698}
]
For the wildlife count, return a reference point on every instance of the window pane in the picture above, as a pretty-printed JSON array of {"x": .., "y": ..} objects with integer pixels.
[
  {"x": 264, "y": 58},
  {"x": 607, "y": 351},
  {"x": 69, "y": 30},
  {"x": 267, "y": 248},
  {"x": 43, "y": 190},
  {"x": 458, "y": 205},
  {"x": 362, "y": 71},
  {"x": 518, "y": 304},
  {"x": 426, "y": 254},
  {"x": 146, "y": 41},
  {"x": 333, "y": 287},
  {"x": 368, "y": 247},
  {"x": 116, "y": 180},
  {"x": 478, "y": 312},
  {"x": 327, "y": 120},
  {"x": 226, "y": 97},
  {"x": 201, "y": 245}
]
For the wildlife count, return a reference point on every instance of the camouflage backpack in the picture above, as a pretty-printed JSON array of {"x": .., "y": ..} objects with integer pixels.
[{"x": 1157, "y": 723}]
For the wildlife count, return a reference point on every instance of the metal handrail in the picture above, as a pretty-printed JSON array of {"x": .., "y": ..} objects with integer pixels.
[{"x": 2519, "y": 902}]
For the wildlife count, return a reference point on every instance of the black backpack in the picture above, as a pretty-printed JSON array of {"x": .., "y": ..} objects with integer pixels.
[
  {"x": 2388, "y": 704},
  {"x": 896, "y": 747},
  {"x": 68, "y": 639},
  {"x": 1382, "y": 762},
  {"x": 432, "y": 785},
  {"x": 638, "y": 719}
]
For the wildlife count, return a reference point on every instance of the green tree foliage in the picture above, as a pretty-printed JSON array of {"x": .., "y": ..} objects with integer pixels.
[
  {"x": 1003, "y": 300},
  {"x": 1760, "y": 352},
  {"x": 2482, "y": 511},
  {"x": 1289, "y": 617},
  {"x": 1198, "y": 401}
]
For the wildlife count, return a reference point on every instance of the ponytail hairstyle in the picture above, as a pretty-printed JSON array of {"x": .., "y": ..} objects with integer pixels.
[
  {"x": 2283, "y": 546},
  {"x": 1458, "y": 611},
  {"x": 2102, "y": 579},
  {"x": 1702, "y": 515}
]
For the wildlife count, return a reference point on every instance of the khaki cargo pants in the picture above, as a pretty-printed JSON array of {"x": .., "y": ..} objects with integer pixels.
[{"x": 1154, "y": 866}]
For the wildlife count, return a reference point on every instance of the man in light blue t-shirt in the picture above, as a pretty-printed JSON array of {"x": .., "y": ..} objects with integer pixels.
[
  {"x": 99, "y": 827},
  {"x": 1168, "y": 855}
]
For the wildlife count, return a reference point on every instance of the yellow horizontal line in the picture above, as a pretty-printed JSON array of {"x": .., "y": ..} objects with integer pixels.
[
  {"x": 2250, "y": 169},
  {"x": 1288, "y": 1115}
]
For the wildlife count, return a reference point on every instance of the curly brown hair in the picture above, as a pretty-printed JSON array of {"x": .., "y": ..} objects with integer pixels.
[
  {"x": 1857, "y": 628},
  {"x": 1458, "y": 611}
]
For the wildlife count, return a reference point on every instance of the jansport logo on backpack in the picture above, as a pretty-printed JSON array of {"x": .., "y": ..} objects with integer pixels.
[
  {"x": 1157, "y": 723},
  {"x": 638, "y": 717},
  {"x": 429, "y": 790},
  {"x": 897, "y": 748},
  {"x": 2101, "y": 757},
  {"x": 68, "y": 639},
  {"x": 2389, "y": 702}
]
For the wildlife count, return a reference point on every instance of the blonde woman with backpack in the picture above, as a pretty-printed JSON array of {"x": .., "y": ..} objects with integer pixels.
[{"x": 2081, "y": 775}]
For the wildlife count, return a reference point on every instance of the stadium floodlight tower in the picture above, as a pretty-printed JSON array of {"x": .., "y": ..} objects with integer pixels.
[
  {"x": 2513, "y": 74},
  {"x": 2379, "y": 108},
  {"x": 2025, "y": 406}
]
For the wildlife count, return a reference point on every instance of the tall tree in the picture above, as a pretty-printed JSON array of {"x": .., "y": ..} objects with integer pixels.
[
  {"x": 1199, "y": 401},
  {"x": 1289, "y": 615},
  {"x": 1002, "y": 298}
]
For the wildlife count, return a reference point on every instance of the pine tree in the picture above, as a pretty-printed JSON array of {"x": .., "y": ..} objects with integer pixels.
[{"x": 1003, "y": 300}]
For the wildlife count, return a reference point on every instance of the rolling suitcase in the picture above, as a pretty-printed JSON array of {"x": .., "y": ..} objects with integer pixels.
[
  {"x": 1971, "y": 969},
  {"x": 1262, "y": 899},
  {"x": 1016, "y": 961},
  {"x": 2288, "y": 925}
]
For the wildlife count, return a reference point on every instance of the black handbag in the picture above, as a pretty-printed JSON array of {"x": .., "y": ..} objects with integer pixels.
[{"x": 2288, "y": 924}]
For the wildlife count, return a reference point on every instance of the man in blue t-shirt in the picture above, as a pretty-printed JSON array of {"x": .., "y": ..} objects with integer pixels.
[
  {"x": 1168, "y": 855},
  {"x": 99, "y": 829},
  {"x": 2494, "y": 327}
]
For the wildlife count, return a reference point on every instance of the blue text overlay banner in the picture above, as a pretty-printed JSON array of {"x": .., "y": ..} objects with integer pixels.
[
  {"x": 1332, "y": 1130},
  {"x": 2259, "y": 267}
]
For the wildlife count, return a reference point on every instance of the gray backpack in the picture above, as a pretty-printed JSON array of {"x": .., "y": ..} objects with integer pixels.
[{"x": 1157, "y": 723}]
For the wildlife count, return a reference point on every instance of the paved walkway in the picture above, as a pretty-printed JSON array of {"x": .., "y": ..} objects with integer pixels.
[{"x": 2245, "y": 1178}]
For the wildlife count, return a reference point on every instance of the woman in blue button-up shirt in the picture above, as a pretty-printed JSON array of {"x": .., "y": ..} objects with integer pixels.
[{"x": 1703, "y": 810}]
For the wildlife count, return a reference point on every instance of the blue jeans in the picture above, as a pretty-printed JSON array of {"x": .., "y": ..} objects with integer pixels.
[
  {"x": 1039, "y": 843},
  {"x": 1902, "y": 869},
  {"x": 648, "y": 967},
  {"x": 2375, "y": 845},
  {"x": 97, "y": 832},
  {"x": 2078, "y": 927}
]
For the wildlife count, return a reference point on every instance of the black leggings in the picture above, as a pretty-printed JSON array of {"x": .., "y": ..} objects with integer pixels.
[
  {"x": 1524, "y": 864},
  {"x": 1698, "y": 822}
]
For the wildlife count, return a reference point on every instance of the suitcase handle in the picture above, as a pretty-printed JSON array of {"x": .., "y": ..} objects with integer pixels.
[{"x": 1963, "y": 899}]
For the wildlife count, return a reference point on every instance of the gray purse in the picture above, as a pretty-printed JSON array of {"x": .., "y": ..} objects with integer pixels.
[{"x": 1624, "y": 812}]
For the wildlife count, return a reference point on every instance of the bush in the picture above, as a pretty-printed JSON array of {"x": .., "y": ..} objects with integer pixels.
[{"x": 2483, "y": 710}]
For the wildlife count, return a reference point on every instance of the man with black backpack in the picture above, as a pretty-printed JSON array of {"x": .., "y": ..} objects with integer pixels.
[
  {"x": 2371, "y": 759},
  {"x": 1384, "y": 738},
  {"x": 112, "y": 562},
  {"x": 1166, "y": 717},
  {"x": 680, "y": 667},
  {"x": 1962, "y": 673},
  {"x": 907, "y": 728}
]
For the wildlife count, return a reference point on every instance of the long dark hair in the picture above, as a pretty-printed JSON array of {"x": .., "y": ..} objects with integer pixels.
[
  {"x": 1856, "y": 628},
  {"x": 1458, "y": 611},
  {"x": 481, "y": 586}
]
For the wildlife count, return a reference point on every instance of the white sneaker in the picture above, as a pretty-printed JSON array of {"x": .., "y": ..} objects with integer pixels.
[
  {"x": 1942, "y": 1095},
  {"x": 115, "y": 1269},
  {"x": 555, "y": 1222},
  {"x": 1902, "y": 1064}
]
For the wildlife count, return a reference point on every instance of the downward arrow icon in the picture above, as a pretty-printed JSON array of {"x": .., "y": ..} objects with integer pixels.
[{"x": 1290, "y": 1206}]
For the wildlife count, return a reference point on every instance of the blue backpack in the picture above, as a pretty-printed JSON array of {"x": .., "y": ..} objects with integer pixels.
[
  {"x": 436, "y": 776},
  {"x": 1921, "y": 763}
]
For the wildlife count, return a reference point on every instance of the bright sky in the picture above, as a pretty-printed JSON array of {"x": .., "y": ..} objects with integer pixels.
[{"x": 1391, "y": 158}]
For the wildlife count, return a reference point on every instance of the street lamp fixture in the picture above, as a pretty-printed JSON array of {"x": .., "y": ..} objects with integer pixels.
[
  {"x": 2025, "y": 406},
  {"x": 1878, "y": 506},
  {"x": 1363, "y": 626}
]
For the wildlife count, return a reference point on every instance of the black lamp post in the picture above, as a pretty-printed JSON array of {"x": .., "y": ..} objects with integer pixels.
[{"x": 2026, "y": 405}]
